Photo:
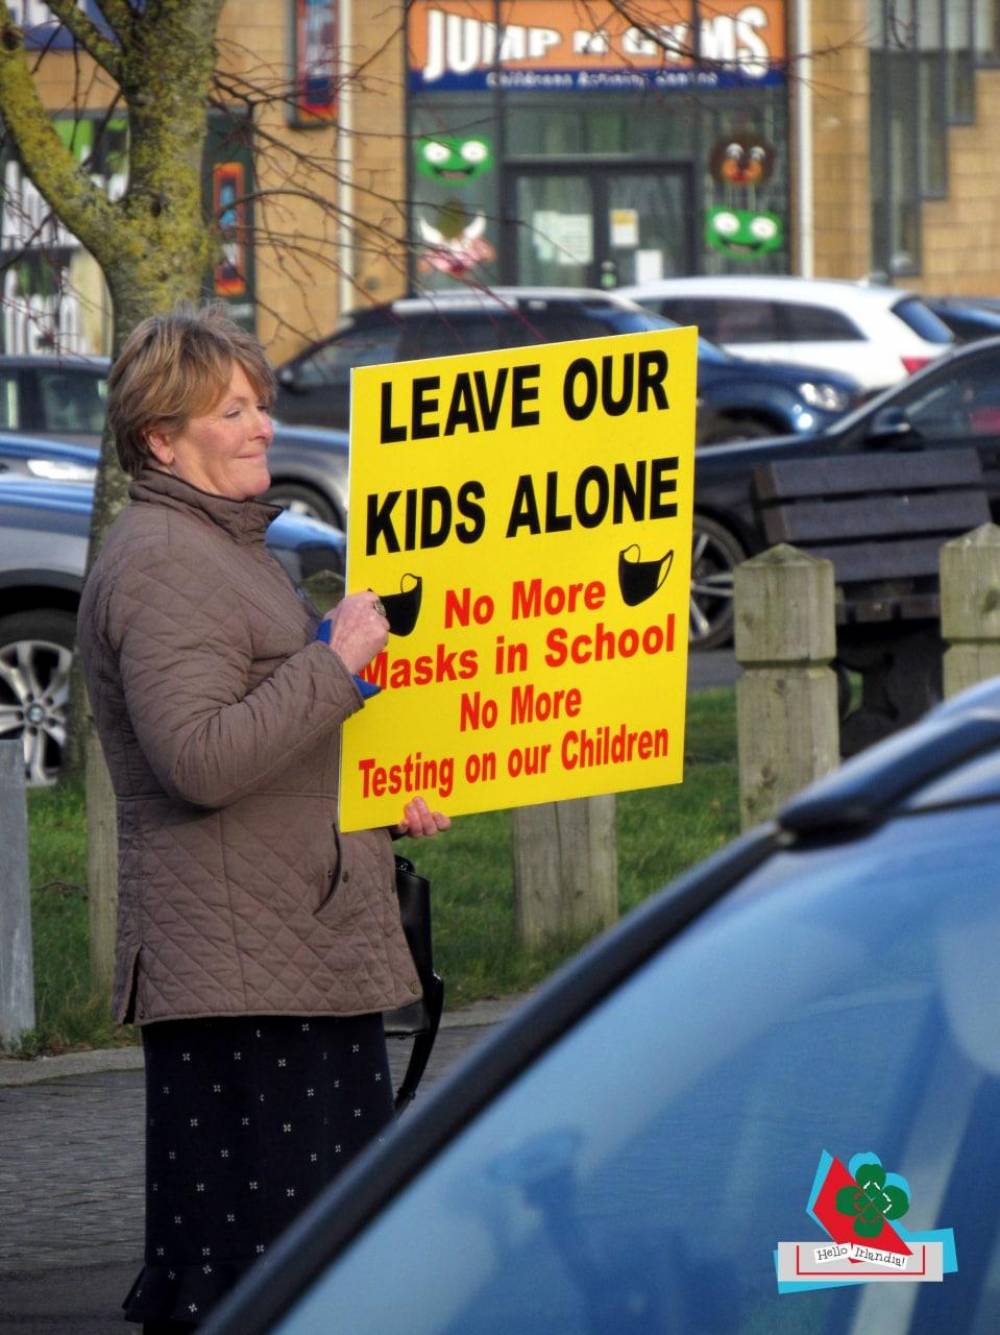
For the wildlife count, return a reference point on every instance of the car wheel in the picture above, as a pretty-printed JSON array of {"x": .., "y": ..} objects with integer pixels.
[
  {"x": 714, "y": 557},
  {"x": 36, "y": 652},
  {"x": 721, "y": 430},
  {"x": 303, "y": 500}
]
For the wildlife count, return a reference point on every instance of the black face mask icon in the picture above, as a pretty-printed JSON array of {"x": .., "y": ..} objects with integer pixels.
[
  {"x": 639, "y": 580},
  {"x": 403, "y": 608}
]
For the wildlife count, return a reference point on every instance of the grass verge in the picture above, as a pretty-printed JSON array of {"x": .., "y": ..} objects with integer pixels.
[{"x": 661, "y": 831}]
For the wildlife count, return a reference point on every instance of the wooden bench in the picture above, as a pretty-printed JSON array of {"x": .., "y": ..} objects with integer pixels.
[{"x": 881, "y": 518}]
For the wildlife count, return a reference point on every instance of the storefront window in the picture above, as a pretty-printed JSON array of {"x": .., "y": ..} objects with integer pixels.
[
  {"x": 455, "y": 194},
  {"x": 960, "y": 61},
  {"x": 616, "y": 156},
  {"x": 750, "y": 131},
  {"x": 986, "y": 30},
  {"x": 932, "y": 100},
  {"x": 647, "y": 125},
  {"x": 898, "y": 170}
]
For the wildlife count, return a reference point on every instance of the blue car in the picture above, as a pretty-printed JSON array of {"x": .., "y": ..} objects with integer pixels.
[
  {"x": 788, "y": 1057},
  {"x": 741, "y": 399},
  {"x": 44, "y": 533},
  {"x": 968, "y": 318}
]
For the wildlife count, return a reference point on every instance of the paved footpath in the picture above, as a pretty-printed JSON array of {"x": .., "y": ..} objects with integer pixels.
[{"x": 71, "y": 1178}]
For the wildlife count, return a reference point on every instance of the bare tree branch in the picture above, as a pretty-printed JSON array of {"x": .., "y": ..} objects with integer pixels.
[
  {"x": 88, "y": 35},
  {"x": 82, "y": 206}
]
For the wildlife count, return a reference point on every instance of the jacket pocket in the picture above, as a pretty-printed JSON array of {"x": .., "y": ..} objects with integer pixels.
[{"x": 339, "y": 876}]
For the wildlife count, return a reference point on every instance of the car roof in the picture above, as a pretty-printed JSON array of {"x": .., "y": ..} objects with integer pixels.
[
  {"x": 496, "y": 299},
  {"x": 784, "y": 287},
  {"x": 956, "y": 745},
  {"x": 62, "y": 360}
]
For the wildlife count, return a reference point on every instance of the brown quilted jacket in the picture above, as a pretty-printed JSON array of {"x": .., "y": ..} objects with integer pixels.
[{"x": 220, "y": 719}]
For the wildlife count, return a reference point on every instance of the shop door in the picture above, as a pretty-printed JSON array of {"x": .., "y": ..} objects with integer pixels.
[{"x": 600, "y": 226}]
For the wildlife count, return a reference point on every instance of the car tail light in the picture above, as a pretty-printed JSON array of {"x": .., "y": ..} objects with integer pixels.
[{"x": 914, "y": 363}]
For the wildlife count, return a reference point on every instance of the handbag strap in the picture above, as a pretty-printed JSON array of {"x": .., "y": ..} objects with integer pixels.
[
  {"x": 423, "y": 1042},
  {"x": 413, "y": 892}
]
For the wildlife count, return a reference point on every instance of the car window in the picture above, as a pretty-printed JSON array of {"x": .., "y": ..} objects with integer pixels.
[
  {"x": 71, "y": 400},
  {"x": 639, "y": 1175},
  {"x": 10, "y": 408},
  {"x": 748, "y": 321},
  {"x": 963, "y": 403},
  {"x": 444, "y": 334},
  {"x": 819, "y": 324},
  {"x": 922, "y": 320},
  {"x": 369, "y": 345},
  {"x": 691, "y": 310}
]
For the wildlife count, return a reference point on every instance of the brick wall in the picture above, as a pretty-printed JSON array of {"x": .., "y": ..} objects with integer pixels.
[
  {"x": 961, "y": 234},
  {"x": 307, "y": 259},
  {"x": 839, "y": 82}
]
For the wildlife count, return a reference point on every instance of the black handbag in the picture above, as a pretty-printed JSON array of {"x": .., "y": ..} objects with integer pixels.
[{"x": 420, "y": 1018}]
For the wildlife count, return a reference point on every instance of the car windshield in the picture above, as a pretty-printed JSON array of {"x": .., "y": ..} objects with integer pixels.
[
  {"x": 640, "y": 1175},
  {"x": 922, "y": 320}
]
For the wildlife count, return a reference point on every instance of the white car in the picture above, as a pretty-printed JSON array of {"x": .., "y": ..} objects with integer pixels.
[{"x": 877, "y": 334}]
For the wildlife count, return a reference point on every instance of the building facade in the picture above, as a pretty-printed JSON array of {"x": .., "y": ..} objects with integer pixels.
[{"x": 372, "y": 149}]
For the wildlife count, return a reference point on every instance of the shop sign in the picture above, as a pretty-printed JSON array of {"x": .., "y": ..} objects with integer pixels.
[
  {"x": 525, "y": 516},
  {"x": 549, "y": 46}
]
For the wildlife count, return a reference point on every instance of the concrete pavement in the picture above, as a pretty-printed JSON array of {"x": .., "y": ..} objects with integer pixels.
[{"x": 71, "y": 1178}]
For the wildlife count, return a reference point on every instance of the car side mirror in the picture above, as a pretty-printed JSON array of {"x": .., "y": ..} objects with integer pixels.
[
  {"x": 890, "y": 423},
  {"x": 288, "y": 378}
]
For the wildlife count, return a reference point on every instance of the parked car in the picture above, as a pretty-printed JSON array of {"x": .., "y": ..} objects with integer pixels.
[
  {"x": 628, "y": 1151},
  {"x": 953, "y": 402},
  {"x": 63, "y": 398},
  {"x": 44, "y": 528},
  {"x": 736, "y": 399},
  {"x": 53, "y": 396},
  {"x": 968, "y": 318},
  {"x": 876, "y": 334}
]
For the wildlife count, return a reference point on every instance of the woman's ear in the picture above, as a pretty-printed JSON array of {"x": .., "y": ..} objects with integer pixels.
[{"x": 160, "y": 446}]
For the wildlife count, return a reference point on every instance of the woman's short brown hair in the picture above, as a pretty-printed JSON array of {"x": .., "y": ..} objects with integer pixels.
[{"x": 174, "y": 367}]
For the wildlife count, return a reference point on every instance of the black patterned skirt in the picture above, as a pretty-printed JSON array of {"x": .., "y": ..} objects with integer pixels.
[{"x": 248, "y": 1118}]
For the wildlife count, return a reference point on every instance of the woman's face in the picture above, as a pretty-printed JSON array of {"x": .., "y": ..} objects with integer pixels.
[{"x": 224, "y": 451}]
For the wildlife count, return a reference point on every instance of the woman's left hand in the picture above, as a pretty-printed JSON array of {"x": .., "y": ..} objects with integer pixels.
[{"x": 419, "y": 822}]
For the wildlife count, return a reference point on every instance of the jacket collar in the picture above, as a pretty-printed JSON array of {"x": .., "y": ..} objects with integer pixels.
[{"x": 245, "y": 522}]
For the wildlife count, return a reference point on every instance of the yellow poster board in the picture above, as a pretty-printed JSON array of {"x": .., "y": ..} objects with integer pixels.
[{"x": 525, "y": 515}]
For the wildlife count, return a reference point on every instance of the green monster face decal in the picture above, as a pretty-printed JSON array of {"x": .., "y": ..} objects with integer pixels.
[
  {"x": 446, "y": 157},
  {"x": 743, "y": 233}
]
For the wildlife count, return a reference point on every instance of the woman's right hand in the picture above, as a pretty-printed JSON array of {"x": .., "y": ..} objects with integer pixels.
[{"x": 358, "y": 630}]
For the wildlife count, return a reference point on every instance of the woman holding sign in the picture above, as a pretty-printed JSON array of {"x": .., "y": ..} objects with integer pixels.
[{"x": 257, "y": 945}]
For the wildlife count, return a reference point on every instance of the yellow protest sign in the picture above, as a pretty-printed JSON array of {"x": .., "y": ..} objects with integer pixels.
[{"x": 525, "y": 515}]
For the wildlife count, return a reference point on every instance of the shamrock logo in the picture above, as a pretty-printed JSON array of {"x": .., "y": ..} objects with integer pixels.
[{"x": 878, "y": 1196}]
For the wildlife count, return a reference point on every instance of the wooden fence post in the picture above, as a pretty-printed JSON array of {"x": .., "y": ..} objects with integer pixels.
[
  {"x": 17, "y": 978},
  {"x": 786, "y": 700},
  {"x": 565, "y": 869},
  {"x": 970, "y": 607}
]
